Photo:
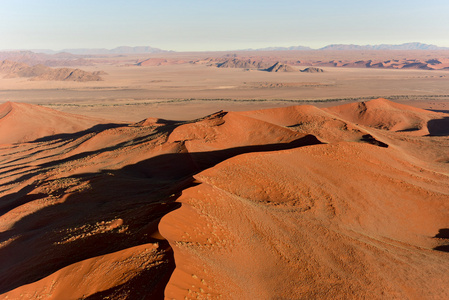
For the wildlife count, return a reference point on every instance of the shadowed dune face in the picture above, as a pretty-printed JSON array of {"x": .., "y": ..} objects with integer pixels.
[
  {"x": 439, "y": 127},
  {"x": 296, "y": 202}
]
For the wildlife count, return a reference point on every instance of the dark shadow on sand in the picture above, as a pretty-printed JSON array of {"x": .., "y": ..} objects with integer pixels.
[
  {"x": 65, "y": 136},
  {"x": 440, "y": 110},
  {"x": 443, "y": 234},
  {"x": 438, "y": 127}
]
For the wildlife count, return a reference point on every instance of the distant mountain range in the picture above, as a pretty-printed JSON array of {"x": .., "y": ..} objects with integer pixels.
[
  {"x": 406, "y": 46},
  {"x": 149, "y": 49},
  {"x": 99, "y": 51},
  {"x": 280, "y": 48}
]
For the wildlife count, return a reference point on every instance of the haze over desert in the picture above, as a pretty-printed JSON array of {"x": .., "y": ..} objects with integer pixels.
[{"x": 211, "y": 150}]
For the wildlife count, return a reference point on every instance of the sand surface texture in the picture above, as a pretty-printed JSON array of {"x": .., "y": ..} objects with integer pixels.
[{"x": 298, "y": 202}]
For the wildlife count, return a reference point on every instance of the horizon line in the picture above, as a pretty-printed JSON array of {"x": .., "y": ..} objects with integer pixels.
[{"x": 267, "y": 48}]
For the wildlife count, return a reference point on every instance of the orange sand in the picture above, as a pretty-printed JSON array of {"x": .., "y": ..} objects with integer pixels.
[{"x": 348, "y": 202}]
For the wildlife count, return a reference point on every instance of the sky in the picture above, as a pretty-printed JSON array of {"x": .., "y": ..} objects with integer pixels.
[{"x": 212, "y": 25}]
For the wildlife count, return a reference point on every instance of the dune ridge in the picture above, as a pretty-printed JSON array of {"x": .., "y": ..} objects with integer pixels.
[{"x": 295, "y": 202}]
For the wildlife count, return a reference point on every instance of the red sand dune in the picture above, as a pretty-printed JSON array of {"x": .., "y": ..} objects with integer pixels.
[
  {"x": 384, "y": 114},
  {"x": 21, "y": 122},
  {"x": 262, "y": 226},
  {"x": 298, "y": 202}
]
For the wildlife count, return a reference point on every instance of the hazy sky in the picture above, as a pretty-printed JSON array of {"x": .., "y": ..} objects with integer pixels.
[{"x": 219, "y": 25}]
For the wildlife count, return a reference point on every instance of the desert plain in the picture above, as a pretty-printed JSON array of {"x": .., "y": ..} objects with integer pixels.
[
  {"x": 170, "y": 82},
  {"x": 205, "y": 176}
]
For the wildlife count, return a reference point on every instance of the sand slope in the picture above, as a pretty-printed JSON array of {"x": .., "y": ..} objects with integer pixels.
[
  {"x": 21, "y": 122},
  {"x": 296, "y": 202},
  {"x": 281, "y": 224}
]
